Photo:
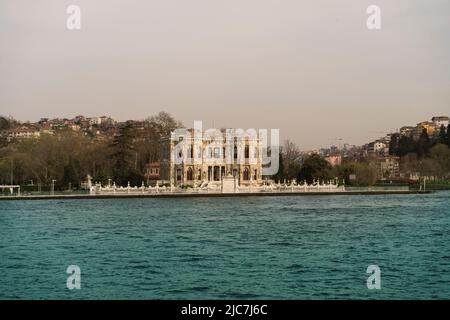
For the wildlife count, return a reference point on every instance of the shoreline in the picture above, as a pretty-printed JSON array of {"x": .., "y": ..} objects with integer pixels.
[{"x": 210, "y": 195}]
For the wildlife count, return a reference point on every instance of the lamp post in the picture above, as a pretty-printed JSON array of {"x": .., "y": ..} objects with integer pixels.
[
  {"x": 12, "y": 171},
  {"x": 53, "y": 187}
]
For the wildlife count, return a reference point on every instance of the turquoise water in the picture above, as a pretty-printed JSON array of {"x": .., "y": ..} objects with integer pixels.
[{"x": 307, "y": 247}]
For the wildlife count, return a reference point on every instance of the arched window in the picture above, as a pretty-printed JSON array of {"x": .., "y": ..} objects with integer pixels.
[
  {"x": 246, "y": 174},
  {"x": 190, "y": 174}
]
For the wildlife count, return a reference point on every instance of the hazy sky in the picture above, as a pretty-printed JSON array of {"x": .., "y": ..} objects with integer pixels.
[{"x": 310, "y": 68}]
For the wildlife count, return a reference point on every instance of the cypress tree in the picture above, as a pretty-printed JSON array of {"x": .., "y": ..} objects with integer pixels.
[
  {"x": 122, "y": 153},
  {"x": 393, "y": 144},
  {"x": 405, "y": 146},
  {"x": 423, "y": 145}
]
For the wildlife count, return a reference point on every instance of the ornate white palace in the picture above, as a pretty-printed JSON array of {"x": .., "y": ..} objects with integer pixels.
[
  {"x": 214, "y": 161},
  {"x": 193, "y": 157}
]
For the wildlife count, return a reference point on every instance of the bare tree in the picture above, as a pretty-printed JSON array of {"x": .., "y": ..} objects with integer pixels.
[{"x": 291, "y": 159}]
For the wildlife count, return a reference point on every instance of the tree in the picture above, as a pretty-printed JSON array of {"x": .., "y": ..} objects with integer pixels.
[
  {"x": 393, "y": 144},
  {"x": 148, "y": 145},
  {"x": 448, "y": 135},
  {"x": 163, "y": 124},
  {"x": 5, "y": 170},
  {"x": 122, "y": 154},
  {"x": 423, "y": 145},
  {"x": 409, "y": 164},
  {"x": 405, "y": 145},
  {"x": 440, "y": 154},
  {"x": 291, "y": 159},
  {"x": 344, "y": 170},
  {"x": 366, "y": 174},
  {"x": 68, "y": 156},
  {"x": 314, "y": 167},
  {"x": 4, "y": 123},
  {"x": 8, "y": 123},
  {"x": 69, "y": 174},
  {"x": 429, "y": 167},
  {"x": 442, "y": 138},
  {"x": 3, "y": 141}
]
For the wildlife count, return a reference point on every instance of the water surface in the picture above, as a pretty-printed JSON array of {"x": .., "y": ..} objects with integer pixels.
[{"x": 299, "y": 247}]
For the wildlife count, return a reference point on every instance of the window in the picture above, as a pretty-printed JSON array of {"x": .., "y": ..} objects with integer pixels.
[
  {"x": 246, "y": 174},
  {"x": 190, "y": 174}
]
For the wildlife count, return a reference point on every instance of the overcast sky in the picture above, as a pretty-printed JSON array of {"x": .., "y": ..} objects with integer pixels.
[{"x": 310, "y": 68}]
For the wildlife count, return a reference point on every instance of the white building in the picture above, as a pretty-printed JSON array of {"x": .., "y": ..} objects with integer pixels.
[
  {"x": 377, "y": 147},
  {"x": 23, "y": 133},
  {"x": 208, "y": 156},
  {"x": 440, "y": 121}
]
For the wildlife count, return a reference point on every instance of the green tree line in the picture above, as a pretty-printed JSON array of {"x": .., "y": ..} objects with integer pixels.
[
  {"x": 427, "y": 157},
  {"x": 401, "y": 145},
  {"x": 69, "y": 156}
]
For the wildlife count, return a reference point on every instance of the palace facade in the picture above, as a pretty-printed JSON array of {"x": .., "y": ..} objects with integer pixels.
[{"x": 194, "y": 157}]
